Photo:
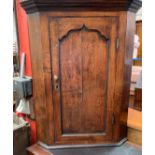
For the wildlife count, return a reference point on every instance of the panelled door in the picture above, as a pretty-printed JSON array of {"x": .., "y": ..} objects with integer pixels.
[{"x": 83, "y": 52}]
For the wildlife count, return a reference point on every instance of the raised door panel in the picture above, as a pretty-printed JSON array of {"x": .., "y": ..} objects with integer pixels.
[
  {"x": 82, "y": 50},
  {"x": 83, "y": 70}
]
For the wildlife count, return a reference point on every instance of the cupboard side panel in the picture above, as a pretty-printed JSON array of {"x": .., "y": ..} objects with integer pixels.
[
  {"x": 47, "y": 68},
  {"x": 123, "y": 64},
  {"x": 39, "y": 76},
  {"x": 119, "y": 64},
  {"x": 129, "y": 47}
]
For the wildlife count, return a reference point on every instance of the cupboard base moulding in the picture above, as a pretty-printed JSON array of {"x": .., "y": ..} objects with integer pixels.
[{"x": 81, "y": 145}]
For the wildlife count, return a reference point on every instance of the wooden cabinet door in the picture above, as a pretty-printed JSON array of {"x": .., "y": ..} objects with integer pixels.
[{"x": 83, "y": 52}]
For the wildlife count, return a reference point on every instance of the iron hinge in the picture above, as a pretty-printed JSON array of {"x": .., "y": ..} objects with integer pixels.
[
  {"x": 117, "y": 43},
  {"x": 113, "y": 119}
]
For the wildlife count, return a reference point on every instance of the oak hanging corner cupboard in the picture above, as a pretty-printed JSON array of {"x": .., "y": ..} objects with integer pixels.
[{"x": 81, "y": 52}]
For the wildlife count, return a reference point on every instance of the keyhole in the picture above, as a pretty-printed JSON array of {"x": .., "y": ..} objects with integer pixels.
[{"x": 56, "y": 87}]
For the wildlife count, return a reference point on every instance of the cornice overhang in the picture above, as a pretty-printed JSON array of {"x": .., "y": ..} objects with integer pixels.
[{"x": 70, "y": 5}]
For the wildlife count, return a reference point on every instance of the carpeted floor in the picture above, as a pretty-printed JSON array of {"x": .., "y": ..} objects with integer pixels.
[{"x": 125, "y": 149}]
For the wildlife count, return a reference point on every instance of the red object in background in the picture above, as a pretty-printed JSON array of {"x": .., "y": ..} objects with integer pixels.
[
  {"x": 23, "y": 36},
  {"x": 25, "y": 47},
  {"x": 33, "y": 130},
  {"x": 32, "y": 123}
]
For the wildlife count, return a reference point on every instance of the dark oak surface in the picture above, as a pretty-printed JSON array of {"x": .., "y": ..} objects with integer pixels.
[
  {"x": 83, "y": 63},
  {"x": 98, "y": 5},
  {"x": 47, "y": 102},
  {"x": 81, "y": 66}
]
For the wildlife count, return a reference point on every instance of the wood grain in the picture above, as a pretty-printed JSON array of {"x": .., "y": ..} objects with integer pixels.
[
  {"x": 90, "y": 52},
  {"x": 85, "y": 56},
  {"x": 84, "y": 87},
  {"x": 41, "y": 72},
  {"x": 130, "y": 31}
]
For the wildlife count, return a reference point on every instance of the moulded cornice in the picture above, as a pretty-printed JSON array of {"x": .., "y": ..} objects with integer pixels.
[{"x": 97, "y": 5}]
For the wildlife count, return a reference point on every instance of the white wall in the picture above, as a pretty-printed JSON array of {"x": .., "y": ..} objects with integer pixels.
[{"x": 139, "y": 15}]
